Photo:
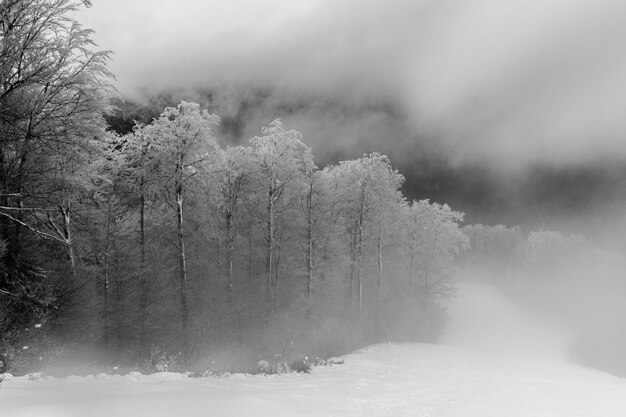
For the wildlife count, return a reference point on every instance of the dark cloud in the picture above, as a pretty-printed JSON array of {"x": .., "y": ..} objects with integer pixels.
[
  {"x": 510, "y": 110},
  {"x": 511, "y": 82}
]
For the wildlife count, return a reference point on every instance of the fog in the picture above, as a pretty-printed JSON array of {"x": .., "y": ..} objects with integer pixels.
[
  {"x": 509, "y": 110},
  {"x": 482, "y": 318},
  {"x": 545, "y": 295},
  {"x": 510, "y": 82}
]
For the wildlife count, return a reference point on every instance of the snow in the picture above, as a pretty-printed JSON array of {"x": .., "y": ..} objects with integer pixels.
[{"x": 383, "y": 380}]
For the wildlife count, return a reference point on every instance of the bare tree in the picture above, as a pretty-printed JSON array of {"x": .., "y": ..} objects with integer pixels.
[{"x": 54, "y": 89}]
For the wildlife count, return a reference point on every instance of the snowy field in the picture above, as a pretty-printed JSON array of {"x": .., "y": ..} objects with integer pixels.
[{"x": 383, "y": 380}]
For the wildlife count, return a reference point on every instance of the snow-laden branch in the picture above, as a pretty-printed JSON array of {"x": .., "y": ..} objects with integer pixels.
[{"x": 32, "y": 229}]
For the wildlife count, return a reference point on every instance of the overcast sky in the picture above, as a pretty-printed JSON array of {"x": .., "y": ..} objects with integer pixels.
[{"x": 507, "y": 81}]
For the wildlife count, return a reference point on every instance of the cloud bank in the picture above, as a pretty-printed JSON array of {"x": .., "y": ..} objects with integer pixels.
[{"x": 511, "y": 83}]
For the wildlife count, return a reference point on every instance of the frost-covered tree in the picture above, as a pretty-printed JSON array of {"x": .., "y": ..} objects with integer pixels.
[
  {"x": 434, "y": 239},
  {"x": 310, "y": 204},
  {"x": 498, "y": 248},
  {"x": 181, "y": 149},
  {"x": 232, "y": 180},
  {"x": 366, "y": 188},
  {"x": 54, "y": 89},
  {"x": 281, "y": 158}
]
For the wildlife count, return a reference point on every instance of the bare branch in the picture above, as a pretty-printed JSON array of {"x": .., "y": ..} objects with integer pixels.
[
  {"x": 32, "y": 229},
  {"x": 55, "y": 227},
  {"x": 7, "y": 293},
  {"x": 25, "y": 209}
]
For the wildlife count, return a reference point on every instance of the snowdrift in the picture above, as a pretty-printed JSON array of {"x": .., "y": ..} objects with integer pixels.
[{"x": 383, "y": 380}]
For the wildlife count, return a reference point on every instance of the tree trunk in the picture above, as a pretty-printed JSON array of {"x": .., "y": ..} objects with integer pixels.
[
  {"x": 276, "y": 278},
  {"x": 250, "y": 253},
  {"x": 309, "y": 239},
  {"x": 105, "y": 283},
  {"x": 218, "y": 253},
  {"x": 270, "y": 242},
  {"x": 412, "y": 270},
  {"x": 328, "y": 236},
  {"x": 429, "y": 259},
  {"x": 105, "y": 313},
  {"x": 8, "y": 235},
  {"x": 142, "y": 271},
  {"x": 67, "y": 234},
  {"x": 118, "y": 308},
  {"x": 380, "y": 265},
  {"x": 182, "y": 264},
  {"x": 352, "y": 266},
  {"x": 426, "y": 282},
  {"x": 230, "y": 236},
  {"x": 359, "y": 258},
  {"x": 14, "y": 243},
  {"x": 359, "y": 247}
]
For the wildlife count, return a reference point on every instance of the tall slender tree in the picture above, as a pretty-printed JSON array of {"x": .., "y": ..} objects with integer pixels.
[
  {"x": 367, "y": 189},
  {"x": 279, "y": 155},
  {"x": 233, "y": 174},
  {"x": 181, "y": 149},
  {"x": 54, "y": 89}
]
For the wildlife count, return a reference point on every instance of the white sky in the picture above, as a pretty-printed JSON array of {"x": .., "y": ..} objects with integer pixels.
[{"x": 512, "y": 80}]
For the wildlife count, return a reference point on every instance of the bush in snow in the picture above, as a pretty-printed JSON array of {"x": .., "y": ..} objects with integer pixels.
[{"x": 161, "y": 361}]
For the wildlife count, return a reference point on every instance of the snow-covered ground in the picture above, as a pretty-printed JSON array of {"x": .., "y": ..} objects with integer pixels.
[{"x": 383, "y": 380}]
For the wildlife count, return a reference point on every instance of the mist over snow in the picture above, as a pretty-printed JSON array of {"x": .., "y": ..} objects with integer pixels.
[
  {"x": 313, "y": 207},
  {"x": 509, "y": 110},
  {"x": 510, "y": 83},
  {"x": 483, "y": 319}
]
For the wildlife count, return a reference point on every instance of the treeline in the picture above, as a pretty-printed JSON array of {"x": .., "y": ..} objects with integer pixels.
[
  {"x": 181, "y": 245},
  {"x": 162, "y": 246},
  {"x": 567, "y": 281},
  {"x": 566, "y": 277},
  {"x": 506, "y": 253}
]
